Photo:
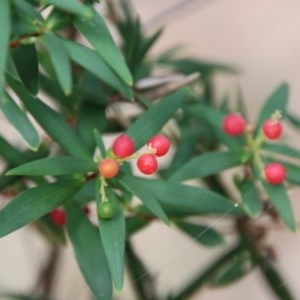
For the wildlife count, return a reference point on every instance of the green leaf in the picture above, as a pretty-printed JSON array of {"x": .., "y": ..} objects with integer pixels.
[
  {"x": 91, "y": 116},
  {"x": 134, "y": 224},
  {"x": 292, "y": 172},
  {"x": 279, "y": 198},
  {"x": 277, "y": 101},
  {"x": 250, "y": 198},
  {"x": 59, "y": 165},
  {"x": 26, "y": 63},
  {"x": 89, "y": 251},
  {"x": 33, "y": 203},
  {"x": 147, "y": 43},
  {"x": 7, "y": 181},
  {"x": 232, "y": 270},
  {"x": 181, "y": 200},
  {"x": 53, "y": 89},
  {"x": 52, "y": 231},
  {"x": 207, "y": 164},
  {"x": 276, "y": 282},
  {"x": 294, "y": 120},
  {"x": 10, "y": 153},
  {"x": 97, "y": 33},
  {"x": 60, "y": 60},
  {"x": 20, "y": 121},
  {"x": 99, "y": 143},
  {"x": 71, "y": 6},
  {"x": 203, "y": 234},
  {"x": 151, "y": 122},
  {"x": 139, "y": 187},
  {"x": 4, "y": 36},
  {"x": 28, "y": 12},
  {"x": 93, "y": 62},
  {"x": 282, "y": 149},
  {"x": 52, "y": 122},
  {"x": 113, "y": 233}
]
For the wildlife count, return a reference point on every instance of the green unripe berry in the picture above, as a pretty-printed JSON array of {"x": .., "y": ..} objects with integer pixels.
[{"x": 105, "y": 210}]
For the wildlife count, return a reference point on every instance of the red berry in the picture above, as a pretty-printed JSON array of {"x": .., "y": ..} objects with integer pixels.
[
  {"x": 86, "y": 210},
  {"x": 147, "y": 163},
  {"x": 275, "y": 173},
  {"x": 234, "y": 124},
  {"x": 272, "y": 129},
  {"x": 123, "y": 146},
  {"x": 58, "y": 217},
  {"x": 108, "y": 168},
  {"x": 160, "y": 143}
]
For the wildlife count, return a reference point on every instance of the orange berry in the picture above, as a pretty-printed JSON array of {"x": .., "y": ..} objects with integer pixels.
[{"x": 108, "y": 168}]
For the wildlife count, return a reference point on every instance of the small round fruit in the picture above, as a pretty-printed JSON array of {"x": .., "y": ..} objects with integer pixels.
[
  {"x": 86, "y": 210},
  {"x": 147, "y": 163},
  {"x": 275, "y": 173},
  {"x": 105, "y": 210},
  {"x": 108, "y": 168},
  {"x": 58, "y": 217},
  {"x": 160, "y": 143},
  {"x": 123, "y": 146},
  {"x": 272, "y": 129},
  {"x": 234, "y": 124}
]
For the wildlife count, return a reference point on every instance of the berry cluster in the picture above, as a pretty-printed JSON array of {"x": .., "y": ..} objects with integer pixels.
[
  {"x": 123, "y": 148},
  {"x": 234, "y": 124}
]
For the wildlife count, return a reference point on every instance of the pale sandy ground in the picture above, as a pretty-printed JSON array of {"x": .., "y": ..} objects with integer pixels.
[{"x": 262, "y": 38}]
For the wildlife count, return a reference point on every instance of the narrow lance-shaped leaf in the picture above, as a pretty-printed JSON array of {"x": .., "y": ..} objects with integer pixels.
[
  {"x": 151, "y": 122},
  {"x": 181, "y": 200},
  {"x": 282, "y": 149},
  {"x": 250, "y": 198},
  {"x": 140, "y": 188},
  {"x": 275, "y": 280},
  {"x": 207, "y": 164},
  {"x": 96, "y": 32},
  {"x": 89, "y": 252},
  {"x": 280, "y": 199},
  {"x": 71, "y": 6},
  {"x": 28, "y": 11},
  {"x": 12, "y": 155},
  {"x": 4, "y": 37},
  {"x": 33, "y": 203},
  {"x": 59, "y": 165},
  {"x": 91, "y": 116},
  {"x": 99, "y": 142},
  {"x": 293, "y": 173},
  {"x": 51, "y": 231},
  {"x": 26, "y": 63},
  {"x": 51, "y": 122},
  {"x": 277, "y": 101},
  {"x": 20, "y": 121},
  {"x": 203, "y": 234},
  {"x": 60, "y": 60},
  {"x": 232, "y": 270},
  {"x": 113, "y": 233},
  {"x": 94, "y": 63}
]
